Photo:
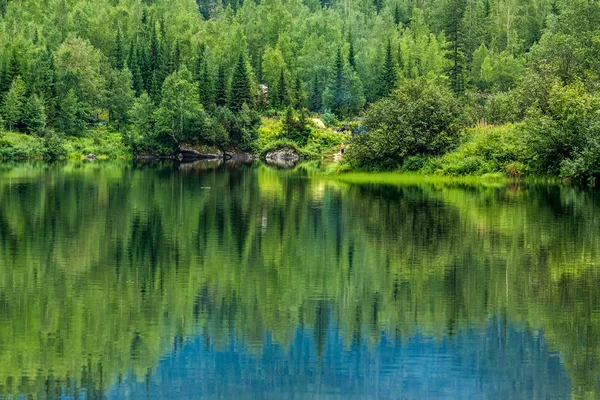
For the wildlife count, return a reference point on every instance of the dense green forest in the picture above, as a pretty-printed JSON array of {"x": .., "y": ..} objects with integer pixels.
[{"x": 151, "y": 75}]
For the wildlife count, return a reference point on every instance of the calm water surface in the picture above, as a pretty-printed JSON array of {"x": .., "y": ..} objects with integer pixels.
[{"x": 166, "y": 281}]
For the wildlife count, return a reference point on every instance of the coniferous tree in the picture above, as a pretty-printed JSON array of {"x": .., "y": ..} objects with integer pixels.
[
  {"x": 155, "y": 89},
  {"x": 283, "y": 97},
  {"x": 34, "y": 115},
  {"x": 299, "y": 97},
  {"x": 221, "y": 89},
  {"x": 206, "y": 87},
  {"x": 388, "y": 73},
  {"x": 339, "y": 83},
  {"x": 351, "y": 56},
  {"x": 68, "y": 119},
  {"x": 378, "y": 5},
  {"x": 397, "y": 15},
  {"x": 176, "y": 57},
  {"x": 453, "y": 27},
  {"x": 316, "y": 97},
  {"x": 119, "y": 56},
  {"x": 13, "y": 103},
  {"x": 240, "y": 86}
]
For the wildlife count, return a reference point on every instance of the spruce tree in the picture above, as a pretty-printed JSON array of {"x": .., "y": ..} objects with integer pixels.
[
  {"x": 221, "y": 89},
  {"x": 67, "y": 117},
  {"x": 176, "y": 57},
  {"x": 388, "y": 73},
  {"x": 351, "y": 56},
  {"x": 378, "y": 5},
  {"x": 299, "y": 97},
  {"x": 316, "y": 98},
  {"x": 397, "y": 15},
  {"x": 155, "y": 89},
  {"x": 34, "y": 115},
  {"x": 338, "y": 88},
  {"x": 240, "y": 86},
  {"x": 13, "y": 103},
  {"x": 119, "y": 56},
  {"x": 206, "y": 87},
  {"x": 455, "y": 10},
  {"x": 282, "y": 91}
]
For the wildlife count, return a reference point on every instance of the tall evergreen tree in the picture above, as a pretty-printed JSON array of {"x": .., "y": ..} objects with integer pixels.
[
  {"x": 455, "y": 10},
  {"x": 378, "y": 5},
  {"x": 351, "y": 55},
  {"x": 283, "y": 98},
  {"x": 397, "y": 14},
  {"x": 338, "y": 85},
  {"x": 34, "y": 115},
  {"x": 13, "y": 103},
  {"x": 316, "y": 97},
  {"x": 388, "y": 73},
  {"x": 221, "y": 89},
  {"x": 119, "y": 56},
  {"x": 240, "y": 86}
]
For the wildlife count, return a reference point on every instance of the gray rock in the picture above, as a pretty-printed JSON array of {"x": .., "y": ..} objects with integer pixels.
[{"x": 285, "y": 157}]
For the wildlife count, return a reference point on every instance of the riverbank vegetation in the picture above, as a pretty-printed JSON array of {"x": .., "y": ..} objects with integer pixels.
[{"x": 513, "y": 84}]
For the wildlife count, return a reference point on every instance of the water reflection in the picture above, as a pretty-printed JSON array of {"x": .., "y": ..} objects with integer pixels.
[{"x": 112, "y": 275}]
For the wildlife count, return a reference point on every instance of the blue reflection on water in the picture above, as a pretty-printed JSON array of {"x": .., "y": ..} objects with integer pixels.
[{"x": 499, "y": 361}]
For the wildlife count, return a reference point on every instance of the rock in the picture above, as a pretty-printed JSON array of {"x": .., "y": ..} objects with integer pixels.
[
  {"x": 90, "y": 156},
  {"x": 319, "y": 123},
  {"x": 285, "y": 157},
  {"x": 199, "y": 153}
]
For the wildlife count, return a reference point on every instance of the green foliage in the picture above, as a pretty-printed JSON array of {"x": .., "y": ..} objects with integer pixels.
[
  {"x": 241, "y": 92},
  {"x": 421, "y": 118},
  {"x": 485, "y": 150},
  {"x": 13, "y": 103},
  {"x": 180, "y": 114},
  {"x": 559, "y": 141},
  {"x": 34, "y": 115}
]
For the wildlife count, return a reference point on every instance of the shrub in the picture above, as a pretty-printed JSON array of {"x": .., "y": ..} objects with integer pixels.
[
  {"x": 420, "y": 118},
  {"x": 486, "y": 150}
]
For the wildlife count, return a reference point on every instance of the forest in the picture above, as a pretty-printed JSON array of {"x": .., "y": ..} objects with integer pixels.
[{"x": 450, "y": 87}]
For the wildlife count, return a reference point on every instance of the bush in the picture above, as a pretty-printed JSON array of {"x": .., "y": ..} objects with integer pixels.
[
  {"x": 486, "y": 150},
  {"x": 560, "y": 137},
  {"x": 421, "y": 118}
]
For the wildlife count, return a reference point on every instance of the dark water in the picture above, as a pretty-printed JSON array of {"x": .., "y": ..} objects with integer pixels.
[{"x": 125, "y": 281}]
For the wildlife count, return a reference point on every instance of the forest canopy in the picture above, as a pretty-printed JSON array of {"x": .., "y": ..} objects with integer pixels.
[{"x": 161, "y": 73}]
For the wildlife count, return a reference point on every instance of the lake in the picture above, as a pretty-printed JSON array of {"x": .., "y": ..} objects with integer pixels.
[{"x": 235, "y": 281}]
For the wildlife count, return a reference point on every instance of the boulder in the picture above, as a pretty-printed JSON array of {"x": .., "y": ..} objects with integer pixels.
[
  {"x": 286, "y": 157},
  {"x": 199, "y": 153}
]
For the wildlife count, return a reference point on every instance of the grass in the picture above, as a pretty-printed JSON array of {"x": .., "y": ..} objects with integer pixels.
[
  {"x": 99, "y": 141},
  {"x": 401, "y": 178}
]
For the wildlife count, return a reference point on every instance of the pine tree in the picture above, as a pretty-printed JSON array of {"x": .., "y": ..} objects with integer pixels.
[
  {"x": 206, "y": 88},
  {"x": 34, "y": 115},
  {"x": 176, "y": 57},
  {"x": 282, "y": 91},
  {"x": 240, "y": 86},
  {"x": 156, "y": 88},
  {"x": 119, "y": 51},
  {"x": 378, "y": 5},
  {"x": 388, "y": 73},
  {"x": 299, "y": 97},
  {"x": 221, "y": 90},
  {"x": 455, "y": 10},
  {"x": 145, "y": 69},
  {"x": 397, "y": 15},
  {"x": 316, "y": 98},
  {"x": 351, "y": 56},
  {"x": 13, "y": 103},
  {"x": 67, "y": 118},
  {"x": 154, "y": 50}
]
